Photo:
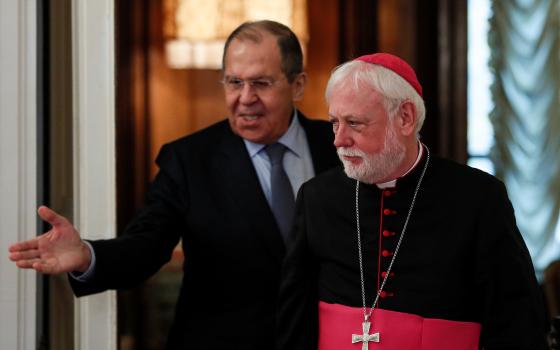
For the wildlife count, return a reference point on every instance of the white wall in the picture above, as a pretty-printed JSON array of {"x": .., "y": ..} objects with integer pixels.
[{"x": 18, "y": 113}]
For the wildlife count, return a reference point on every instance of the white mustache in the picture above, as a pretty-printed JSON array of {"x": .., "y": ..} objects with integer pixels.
[{"x": 350, "y": 152}]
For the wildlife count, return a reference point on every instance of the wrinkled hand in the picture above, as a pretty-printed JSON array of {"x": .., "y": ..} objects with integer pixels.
[{"x": 58, "y": 250}]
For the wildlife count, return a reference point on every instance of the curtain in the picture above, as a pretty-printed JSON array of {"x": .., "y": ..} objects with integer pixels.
[{"x": 525, "y": 61}]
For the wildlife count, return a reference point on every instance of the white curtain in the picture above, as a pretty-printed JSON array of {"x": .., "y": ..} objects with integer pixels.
[{"x": 525, "y": 61}]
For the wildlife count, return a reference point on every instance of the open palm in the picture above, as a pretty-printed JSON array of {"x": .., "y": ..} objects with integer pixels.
[{"x": 56, "y": 251}]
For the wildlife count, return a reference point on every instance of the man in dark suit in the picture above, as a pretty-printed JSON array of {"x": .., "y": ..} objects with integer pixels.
[{"x": 221, "y": 191}]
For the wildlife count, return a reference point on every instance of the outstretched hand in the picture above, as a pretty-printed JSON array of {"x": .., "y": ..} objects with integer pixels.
[{"x": 58, "y": 250}]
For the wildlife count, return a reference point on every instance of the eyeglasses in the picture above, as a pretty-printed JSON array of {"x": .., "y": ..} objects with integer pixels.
[{"x": 258, "y": 85}]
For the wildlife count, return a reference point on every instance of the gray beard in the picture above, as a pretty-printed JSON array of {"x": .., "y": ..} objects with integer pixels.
[{"x": 375, "y": 167}]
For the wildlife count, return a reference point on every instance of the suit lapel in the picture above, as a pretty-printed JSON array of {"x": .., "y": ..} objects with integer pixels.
[{"x": 242, "y": 184}]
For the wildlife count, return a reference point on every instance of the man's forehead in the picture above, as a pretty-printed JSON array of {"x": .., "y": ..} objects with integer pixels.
[
  {"x": 252, "y": 70},
  {"x": 348, "y": 92},
  {"x": 248, "y": 60},
  {"x": 348, "y": 111},
  {"x": 351, "y": 102}
]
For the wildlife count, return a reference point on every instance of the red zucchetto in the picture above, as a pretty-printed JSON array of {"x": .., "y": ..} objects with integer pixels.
[{"x": 397, "y": 65}]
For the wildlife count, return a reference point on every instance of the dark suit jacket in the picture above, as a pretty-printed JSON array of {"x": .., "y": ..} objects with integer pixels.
[{"x": 207, "y": 193}]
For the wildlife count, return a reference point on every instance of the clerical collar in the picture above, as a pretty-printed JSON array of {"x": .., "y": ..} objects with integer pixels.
[{"x": 393, "y": 182}]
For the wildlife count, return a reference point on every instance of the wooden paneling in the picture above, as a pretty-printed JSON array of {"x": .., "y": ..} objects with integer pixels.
[
  {"x": 397, "y": 28},
  {"x": 431, "y": 36},
  {"x": 132, "y": 107},
  {"x": 322, "y": 55},
  {"x": 452, "y": 73},
  {"x": 358, "y": 34}
]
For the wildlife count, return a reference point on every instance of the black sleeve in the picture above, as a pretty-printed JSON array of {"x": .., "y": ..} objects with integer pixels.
[
  {"x": 149, "y": 240},
  {"x": 512, "y": 306},
  {"x": 297, "y": 318}
]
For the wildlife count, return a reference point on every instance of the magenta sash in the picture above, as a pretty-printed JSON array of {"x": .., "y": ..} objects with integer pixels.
[{"x": 397, "y": 330}]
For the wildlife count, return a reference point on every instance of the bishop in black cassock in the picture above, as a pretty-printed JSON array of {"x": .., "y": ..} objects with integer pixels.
[{"x": 462, "y": 277}]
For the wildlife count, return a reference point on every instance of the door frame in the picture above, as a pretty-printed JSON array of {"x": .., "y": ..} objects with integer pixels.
[{"x": 93, "y": 57}]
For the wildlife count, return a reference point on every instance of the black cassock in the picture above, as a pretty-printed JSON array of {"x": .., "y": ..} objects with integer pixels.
[{"x": 462, "y": 257}]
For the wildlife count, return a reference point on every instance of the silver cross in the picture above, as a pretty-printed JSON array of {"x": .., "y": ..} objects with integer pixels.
[{"x": 365, "y": 338}]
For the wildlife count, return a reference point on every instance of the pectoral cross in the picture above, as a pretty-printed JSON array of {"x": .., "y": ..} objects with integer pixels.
[{"x": 365, "y": 338}]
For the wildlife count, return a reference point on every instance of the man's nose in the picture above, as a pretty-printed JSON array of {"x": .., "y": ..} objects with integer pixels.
[
  {"x": 247, "y": 94},
  {"x": 342, "y": 137}
]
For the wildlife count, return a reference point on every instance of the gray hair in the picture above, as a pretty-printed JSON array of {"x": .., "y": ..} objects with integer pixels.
[
  {"x": 291, "y": 54},
  {"x": 394, "y": 89}
]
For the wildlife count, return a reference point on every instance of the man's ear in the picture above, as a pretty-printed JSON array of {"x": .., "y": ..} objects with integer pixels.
[
  {"x": 407, "y": 118},
  {"x": 298, "y": 86}
]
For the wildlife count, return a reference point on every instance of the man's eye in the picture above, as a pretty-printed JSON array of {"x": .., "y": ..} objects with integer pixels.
[
  {"x": 261, "y": 84},
  {"x": 235, "y": 82}
]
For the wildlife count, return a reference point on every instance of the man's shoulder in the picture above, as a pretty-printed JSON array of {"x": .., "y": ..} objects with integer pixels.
[
  {"x": 202, "y": 144},
  {"x": 208, "y": 135},
  {"x": 463, "y": 174}
]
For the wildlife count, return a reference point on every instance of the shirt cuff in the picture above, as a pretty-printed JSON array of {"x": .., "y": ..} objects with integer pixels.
[{"x": 86, "y": 276}]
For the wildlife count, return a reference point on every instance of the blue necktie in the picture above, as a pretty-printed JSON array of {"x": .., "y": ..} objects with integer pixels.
[{"x": 282, "y": 195}]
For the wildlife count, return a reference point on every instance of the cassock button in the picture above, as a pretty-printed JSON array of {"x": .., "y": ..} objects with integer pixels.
[
  {"x": 387, "y": 193},
  {"x": 386, "y": 253},
  {"x": 385, "y": 294},
  {"x": 384, "y": 273},
  {"x": 387, "y": 233},
  {"x": 388, "y": 212}
]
